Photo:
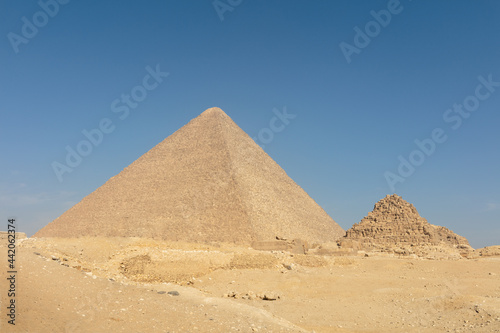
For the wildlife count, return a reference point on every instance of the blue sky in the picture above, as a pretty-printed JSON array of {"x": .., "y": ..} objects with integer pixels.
[{"x": 358, "y": 113}]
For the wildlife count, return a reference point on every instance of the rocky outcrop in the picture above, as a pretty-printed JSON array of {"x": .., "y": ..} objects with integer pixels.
[{"x": 395, "y": 226}]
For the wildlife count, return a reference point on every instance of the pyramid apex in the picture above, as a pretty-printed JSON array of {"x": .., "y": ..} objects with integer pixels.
[{"x": 214, "y": 111}]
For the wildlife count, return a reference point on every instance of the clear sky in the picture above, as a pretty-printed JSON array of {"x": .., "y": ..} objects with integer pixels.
[{"x": 365, "y": 79}]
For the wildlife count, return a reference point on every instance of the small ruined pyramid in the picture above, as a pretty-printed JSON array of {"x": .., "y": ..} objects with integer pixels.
[
  {"x": 209, "y": 181},
  {"x": 396, "y": 223}
]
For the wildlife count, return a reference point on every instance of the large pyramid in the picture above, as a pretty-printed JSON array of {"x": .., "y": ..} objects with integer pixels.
[
  {"x": 209, "y": 181},
  {"x": 395, "y": 223}
]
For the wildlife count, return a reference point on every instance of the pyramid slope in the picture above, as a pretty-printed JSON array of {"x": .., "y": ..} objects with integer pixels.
[
  {"x": 395, "y": 222},
  {"x": 209, "y": 181}
]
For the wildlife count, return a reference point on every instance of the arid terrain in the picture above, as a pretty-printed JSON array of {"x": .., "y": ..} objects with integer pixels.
[{"x": 143, "y": 285}]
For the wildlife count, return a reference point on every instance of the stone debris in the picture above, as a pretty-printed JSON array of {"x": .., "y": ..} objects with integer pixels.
[
  {"x": 485, "y": 252},
  {"x": 265, "y": 296}
]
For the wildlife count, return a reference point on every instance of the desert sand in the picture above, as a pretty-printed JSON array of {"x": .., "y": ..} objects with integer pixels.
[{"x": 123, "y": 285}]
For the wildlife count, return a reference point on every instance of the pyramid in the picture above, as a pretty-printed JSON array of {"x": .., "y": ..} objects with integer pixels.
[
  {"x": 209, "y": 181},
  {"x": 396, "y": 223}
]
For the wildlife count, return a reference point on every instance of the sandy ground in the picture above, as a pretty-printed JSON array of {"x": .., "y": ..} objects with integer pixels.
[{"x": 123, "y": 285}]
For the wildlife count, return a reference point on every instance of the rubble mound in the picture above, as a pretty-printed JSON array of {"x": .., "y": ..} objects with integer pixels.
[
  {"x": 485, "y": 252},
  {"x": 395, "y": 226}
]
